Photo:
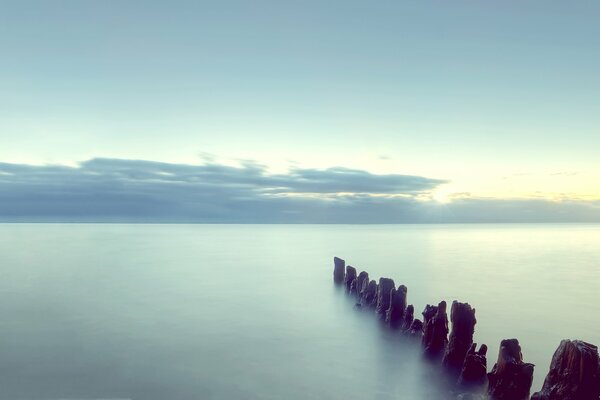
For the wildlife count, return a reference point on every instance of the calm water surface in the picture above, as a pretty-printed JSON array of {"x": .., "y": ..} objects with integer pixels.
[{"x": 250, "y": 312}]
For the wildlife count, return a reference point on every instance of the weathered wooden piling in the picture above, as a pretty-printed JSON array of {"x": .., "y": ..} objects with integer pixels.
[
  {"x": 338, "y": 270},
  {"x": 510, "y": 378},
  {"x": 362, "y": 280},
  {"x": 409, "y": 316},
  {"x": 462, "y": 316},
  {"x": 350, "y": 279},
  {"x": 416, "y": 328},
  {"x": 474, "y": 369},
  {"x": 574, "y": 373},
  {"x": 383, "y": 296},
  {"x": 397, "y": 308},
  {"x": 369, "y": 294},
  {"x": 435, "y": 329}
]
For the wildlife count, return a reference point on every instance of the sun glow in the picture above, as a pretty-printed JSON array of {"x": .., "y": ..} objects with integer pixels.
[{"x": 441, "y": 195}]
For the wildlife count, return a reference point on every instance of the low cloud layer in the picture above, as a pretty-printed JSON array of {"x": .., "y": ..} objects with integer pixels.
[{"x": 146, "y": 191}]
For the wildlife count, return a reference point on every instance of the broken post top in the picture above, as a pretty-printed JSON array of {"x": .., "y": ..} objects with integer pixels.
[
  {"x": 361, "y": 281},
  {"x": 462, "y": 315},
  {"x": 386, "y": 285},
  {"x": 338, "y": 269},
  {"x": 574, "y": 373},
  {"x": 397, "y": 307},
  {"x": 350, "y": 279},
  {"x": 463, "y": 320},
  {"x": 350, "y": 273},
  {"x": 510, "y": 351},
  {"x": 474, "y": 368},
  {"x": 510, "y": 378},
  {"x": 435, "y": 329}
]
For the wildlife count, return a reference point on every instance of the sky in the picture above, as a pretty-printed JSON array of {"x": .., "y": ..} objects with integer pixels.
[{"x": 319, "y": 111}]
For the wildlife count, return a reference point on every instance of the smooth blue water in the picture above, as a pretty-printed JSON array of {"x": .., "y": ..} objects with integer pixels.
[{"x": 250, "y": 312}]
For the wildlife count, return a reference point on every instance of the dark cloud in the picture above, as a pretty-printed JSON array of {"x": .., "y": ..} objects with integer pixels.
[
  {"x": 136, "y": 190},
  {"x": 254, "y": 176},
  {"x": 147, "y": 190}
]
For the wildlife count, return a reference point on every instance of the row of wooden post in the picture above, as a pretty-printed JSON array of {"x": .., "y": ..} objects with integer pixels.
[{"x": 574, "y": 371}]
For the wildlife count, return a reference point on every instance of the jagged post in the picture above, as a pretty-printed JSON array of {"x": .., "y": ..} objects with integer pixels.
[
  {"x": 474, "y": 370},
  {"x": 369, "y": 294},
  {"x": 463, "y": 320},
  {"x": 395, "y": 314},
  {"x": 435, "y": 329},
  {"x": 339, "y": 266},
  {"x": 409, "y": 316},
  {"x": 416, "y": 329},
  {"x": 510, "y": 378},
  {"x": 362, "y": 280},
  {"x": 350, "y": 279},
  {"x": 383, "y": 296},
  {"x": 574, "y": 373}
]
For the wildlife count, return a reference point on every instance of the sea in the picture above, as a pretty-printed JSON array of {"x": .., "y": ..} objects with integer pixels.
[{"x": 168, "y": 312}]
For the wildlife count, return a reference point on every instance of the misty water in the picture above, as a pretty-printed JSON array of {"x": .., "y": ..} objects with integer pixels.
[{"x": 250, "y": 311}]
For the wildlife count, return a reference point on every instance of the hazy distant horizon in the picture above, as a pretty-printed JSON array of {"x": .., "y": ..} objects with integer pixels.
[{"x": 166, "y": 222}]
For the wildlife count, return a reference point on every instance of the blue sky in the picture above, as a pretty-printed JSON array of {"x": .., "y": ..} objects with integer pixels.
[{"x": 498, "y": 101}]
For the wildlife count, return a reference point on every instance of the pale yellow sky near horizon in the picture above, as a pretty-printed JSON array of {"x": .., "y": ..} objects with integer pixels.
[{"x": 466, "y": 179}]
